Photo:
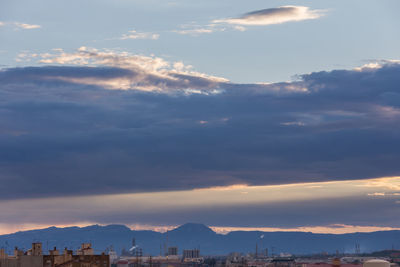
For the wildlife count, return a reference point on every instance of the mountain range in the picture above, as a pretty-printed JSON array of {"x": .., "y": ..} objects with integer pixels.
[{"x": 192, "y": 235}]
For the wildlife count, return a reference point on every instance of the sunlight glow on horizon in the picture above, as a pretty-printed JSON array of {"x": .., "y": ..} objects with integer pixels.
[{"x": 235, "y": 195}]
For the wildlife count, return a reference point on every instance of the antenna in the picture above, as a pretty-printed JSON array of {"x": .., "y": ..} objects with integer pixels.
[
  {"x": 256, "y": 250},
  {"x": 357, "y": 248}
]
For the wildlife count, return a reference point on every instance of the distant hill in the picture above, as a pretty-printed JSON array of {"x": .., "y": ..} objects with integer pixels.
[{"x": 193, "y": 235}]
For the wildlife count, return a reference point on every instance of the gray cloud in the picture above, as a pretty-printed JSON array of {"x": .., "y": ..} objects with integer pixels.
[
  {"x": 58, "y": 132},
  {"x": 347, "y": 210}
]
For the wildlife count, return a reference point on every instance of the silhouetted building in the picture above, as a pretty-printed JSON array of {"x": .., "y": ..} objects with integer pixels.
[
  {"x": 191, "y": 253},
  {"x": 172, "y": 251}
]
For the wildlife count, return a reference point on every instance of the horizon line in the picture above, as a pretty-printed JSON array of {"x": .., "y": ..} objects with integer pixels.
[{"x": 336, "y": 229}]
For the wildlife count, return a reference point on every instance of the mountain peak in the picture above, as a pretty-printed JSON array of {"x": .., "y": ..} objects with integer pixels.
[{"x": 193, "y": 228}]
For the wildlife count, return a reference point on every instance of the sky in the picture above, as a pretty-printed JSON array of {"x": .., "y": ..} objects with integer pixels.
[{"x": 271, "y": 115}]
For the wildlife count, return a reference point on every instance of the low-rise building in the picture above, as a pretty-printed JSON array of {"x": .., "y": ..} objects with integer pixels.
[{"x": 34, "y": 258}]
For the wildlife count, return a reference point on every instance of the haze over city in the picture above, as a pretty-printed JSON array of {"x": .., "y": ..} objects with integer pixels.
[{"x": 279, "y": 115}]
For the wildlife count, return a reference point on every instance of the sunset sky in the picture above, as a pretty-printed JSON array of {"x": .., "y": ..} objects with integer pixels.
[{"x": 270, "y": 115}]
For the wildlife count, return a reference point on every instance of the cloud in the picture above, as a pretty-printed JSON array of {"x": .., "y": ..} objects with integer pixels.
[
  {"x": 146, "y": 73},
  {"x": 272, "y": 16},
  {"x": 20, "y": 25},
  {"x": 26, "y": 26},
  {"x": 376, "y": 194},
  {"x": 115, "y": 122},
  {"x": 126, "y": 126},
  {"x": 211, "y": 28},
  {"x": 262, "y": 17},
  {"x": 263, "y": 206},
  {"x": 197, "y": 31},
  {"x": 140, "y": 35}
]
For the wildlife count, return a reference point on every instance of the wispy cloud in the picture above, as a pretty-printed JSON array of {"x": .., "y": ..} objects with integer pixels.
[
  {"x": 20, "y": 25},
  {"x": 198, "y": 31},
  {"x": 26, "y": 26},
  {"x": 140, "y": 35},
  {"x": 210, "y": 28},
  {"x": 271, "y": 16}
]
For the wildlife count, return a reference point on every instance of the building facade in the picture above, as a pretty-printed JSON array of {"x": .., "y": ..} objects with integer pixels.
[{"x": 34, "y": 258}]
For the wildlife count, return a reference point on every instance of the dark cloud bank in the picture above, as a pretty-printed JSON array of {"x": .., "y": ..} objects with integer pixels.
[{"x": 59, "y": 137}]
